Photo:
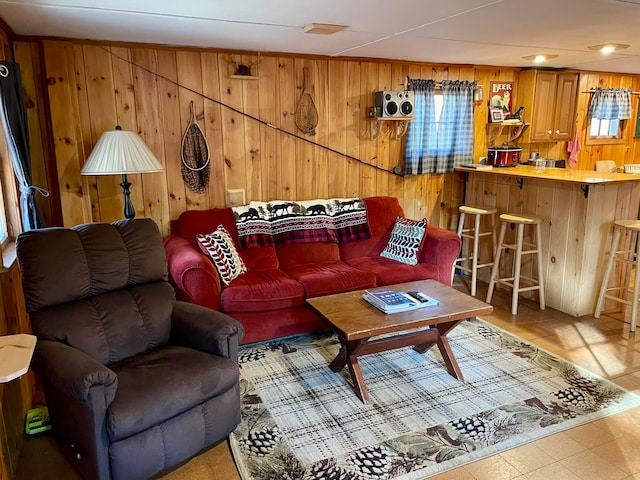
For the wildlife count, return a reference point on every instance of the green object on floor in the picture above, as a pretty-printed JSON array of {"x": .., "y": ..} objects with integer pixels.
[{"x": 37, "y": 421}]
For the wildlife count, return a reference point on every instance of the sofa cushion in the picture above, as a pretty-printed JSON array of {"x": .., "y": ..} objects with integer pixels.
[
  {"x": 142, "y": 387},
  {"x": 260, "y": 258},
  {"x": 295, "y": 254},
  {"x": 381, "y": 215},
  {"x": 389, "y": 272},
  {"x": 261, "y": 290},
  {"x": 219, "y": 246},
  {"x": 193, "y": 222},
  {"x": 405, "y": 240},
  {"x": 326, "y": 278}
]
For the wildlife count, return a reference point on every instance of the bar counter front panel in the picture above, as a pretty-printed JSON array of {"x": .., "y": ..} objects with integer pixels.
[{"x": 578, "y": 208}]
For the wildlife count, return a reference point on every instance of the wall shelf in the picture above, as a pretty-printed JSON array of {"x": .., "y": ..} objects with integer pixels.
[
  {"x": 513, "y": 131},
  {"x": 400, "y": 126}
]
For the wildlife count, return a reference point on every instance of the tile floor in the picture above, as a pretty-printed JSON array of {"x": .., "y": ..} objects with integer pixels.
[{"x": 606, "y": 449}]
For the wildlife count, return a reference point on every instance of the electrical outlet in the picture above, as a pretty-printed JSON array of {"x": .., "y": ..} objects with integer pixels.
[{"x": 235, "y": 197}]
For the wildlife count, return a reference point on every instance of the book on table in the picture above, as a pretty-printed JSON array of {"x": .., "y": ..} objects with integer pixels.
[{"x": 389, "y": 300}]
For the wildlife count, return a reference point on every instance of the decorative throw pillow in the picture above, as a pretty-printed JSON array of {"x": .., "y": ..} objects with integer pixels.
[
  {"x": 219, "y": 246},
  {"x": 405, "y": 240}
]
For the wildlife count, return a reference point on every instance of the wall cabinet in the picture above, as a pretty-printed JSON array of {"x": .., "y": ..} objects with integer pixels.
[{"x": 549, "y": 99}]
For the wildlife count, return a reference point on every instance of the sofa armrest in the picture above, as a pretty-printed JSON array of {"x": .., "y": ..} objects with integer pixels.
[
  {"x": 205, "y": 329},
  {"x": 192, "y": 273},
  {"x": 73, "y": 371},
  {"x": 441, "y": 248}
]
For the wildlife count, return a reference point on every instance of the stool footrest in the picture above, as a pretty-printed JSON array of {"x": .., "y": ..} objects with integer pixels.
[
  {"x": 513, "y": 246},
  {"x": 480, "y": 265},
  {"x": 629, "y": 261},
  {"x": 618, "y": 299},
  {"x": 466, "y": 235}
]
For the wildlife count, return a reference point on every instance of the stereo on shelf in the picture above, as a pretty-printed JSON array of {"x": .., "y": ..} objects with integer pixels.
[{"x": 396, "y": 104}]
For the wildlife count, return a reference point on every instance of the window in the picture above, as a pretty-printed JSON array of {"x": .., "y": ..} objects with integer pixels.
[
  {"x": 438, "y": 101},
  {"x": 441, "y": 136},
  {"x": 603, "y": 131},
  {"x": 608, "y": 110}
]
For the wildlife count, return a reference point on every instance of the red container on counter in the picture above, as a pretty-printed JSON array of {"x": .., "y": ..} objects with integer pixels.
[{"x": 504, "y": 156}]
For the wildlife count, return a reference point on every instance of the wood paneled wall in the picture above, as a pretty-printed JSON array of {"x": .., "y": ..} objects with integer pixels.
[
  {"x": 92, "y": 87},
  {"x": 621, "y": 153}
]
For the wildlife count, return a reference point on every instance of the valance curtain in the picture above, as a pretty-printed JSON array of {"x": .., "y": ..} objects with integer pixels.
[
  {"x": 610, "y": 104},
  {"x": 437, "y": 147},
  {"x": 16, "y": 129}
]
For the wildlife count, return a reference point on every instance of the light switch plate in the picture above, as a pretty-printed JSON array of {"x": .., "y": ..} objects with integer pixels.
[{"x": 235, "y": 197}]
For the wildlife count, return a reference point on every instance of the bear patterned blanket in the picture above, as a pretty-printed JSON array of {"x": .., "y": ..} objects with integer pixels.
[{"x": 284, "y": 222}]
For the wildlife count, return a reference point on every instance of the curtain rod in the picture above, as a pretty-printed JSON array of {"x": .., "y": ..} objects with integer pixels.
[
  {"x": 438, "y": 83},
  {"x": 593, "y": 90}
]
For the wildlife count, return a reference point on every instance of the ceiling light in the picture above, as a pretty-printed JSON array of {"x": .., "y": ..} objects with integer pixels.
[
  {"x": 608, "y": 48},
  {"x": 539, "y": 58},
  {"x": 323, "y": 28}
]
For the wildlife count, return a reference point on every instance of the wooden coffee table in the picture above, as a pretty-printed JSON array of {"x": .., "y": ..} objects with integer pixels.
[{"x": 358, "y": 323}]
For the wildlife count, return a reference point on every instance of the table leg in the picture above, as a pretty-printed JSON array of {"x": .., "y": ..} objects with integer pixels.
[
  {"x": 449, "y": 360},
  {"x": 340, "y": 361},
  {"x": 358, "y": 380},
  {"x": 445, "y": 348},
  {"x": 348, "y": 355}
]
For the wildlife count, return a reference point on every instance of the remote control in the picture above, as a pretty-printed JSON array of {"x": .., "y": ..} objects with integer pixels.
[{"x": 421, "y": 297}]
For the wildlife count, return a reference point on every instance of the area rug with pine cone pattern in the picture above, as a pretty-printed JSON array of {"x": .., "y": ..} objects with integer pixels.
[{"x": 302, "y": 421}]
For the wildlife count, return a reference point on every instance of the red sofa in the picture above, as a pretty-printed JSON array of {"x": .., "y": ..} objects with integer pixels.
[{"x": 269, "y": 300}]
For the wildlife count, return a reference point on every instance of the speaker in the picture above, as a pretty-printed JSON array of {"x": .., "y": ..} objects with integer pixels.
[{"x": 395, "y": 104}]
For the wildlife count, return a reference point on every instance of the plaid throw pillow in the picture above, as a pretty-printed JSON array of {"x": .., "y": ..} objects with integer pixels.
[
  {"x": 405, "y": 240},
  {"x": 219, "y": 246}
]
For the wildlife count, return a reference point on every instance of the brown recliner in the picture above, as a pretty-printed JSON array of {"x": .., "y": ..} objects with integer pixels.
[{"x": 135, "y": 381}]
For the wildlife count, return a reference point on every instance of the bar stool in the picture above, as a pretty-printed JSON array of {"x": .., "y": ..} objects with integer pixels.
[
  {"x": 514, "y": 281},
  {"x": 629, "y": 257},
  {"x": 474, "y": 234}
]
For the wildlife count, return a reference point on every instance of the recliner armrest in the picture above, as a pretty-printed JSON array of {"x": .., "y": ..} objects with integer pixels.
[
  {"x": 72, "y": 370},
  {"x": 205, "y": 329}
]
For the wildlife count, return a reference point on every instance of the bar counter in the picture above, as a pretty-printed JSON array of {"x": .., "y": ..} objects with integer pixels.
[
  {"x": 557, "y": 174},
  {"x": 578, "y": 208}
]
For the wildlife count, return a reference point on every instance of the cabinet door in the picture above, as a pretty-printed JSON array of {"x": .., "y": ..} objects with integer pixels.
[
  {"x": 565, "y": 106},
  {"x": 543, "y": 104}
]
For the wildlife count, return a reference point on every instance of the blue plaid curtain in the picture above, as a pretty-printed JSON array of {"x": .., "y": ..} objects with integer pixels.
[
  {"x": 422, "y": 131},
  {"x": 610, "y": 104},
  {"x": 438, "y": 148}
]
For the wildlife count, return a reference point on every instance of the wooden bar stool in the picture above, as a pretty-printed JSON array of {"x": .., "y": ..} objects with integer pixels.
[
  {"x": 474, "y": 234},
  {"x": 520, "y": 221},
  {"x": 628, "y": 256}
]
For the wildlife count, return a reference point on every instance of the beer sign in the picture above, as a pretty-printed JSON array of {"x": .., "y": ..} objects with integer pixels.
[{"x": 501, "y": 96}]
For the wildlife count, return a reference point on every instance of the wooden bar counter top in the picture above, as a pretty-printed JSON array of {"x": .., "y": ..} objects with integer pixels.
[
  {"x": 578, "y": 208},
  {"x": 557, "y": 174}
]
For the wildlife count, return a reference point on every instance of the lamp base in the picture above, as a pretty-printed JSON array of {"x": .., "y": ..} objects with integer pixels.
[{"x": 129, "y": 211}]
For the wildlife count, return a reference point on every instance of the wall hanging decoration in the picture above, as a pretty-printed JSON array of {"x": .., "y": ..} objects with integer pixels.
[
  {"x": 501, "y": 96},
  {"x": 241, "y": 70},
  {"x": 195, "y": 155},
  {"x": 157, "y": 75},
  {"x": 306, "y": 112}
]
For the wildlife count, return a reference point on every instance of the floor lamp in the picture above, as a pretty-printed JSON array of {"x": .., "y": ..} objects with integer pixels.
[{"x": 120, "y": 152}]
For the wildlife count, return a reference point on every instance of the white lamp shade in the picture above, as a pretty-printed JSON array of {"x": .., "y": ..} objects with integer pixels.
[{"x": 120, "y": 151}]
